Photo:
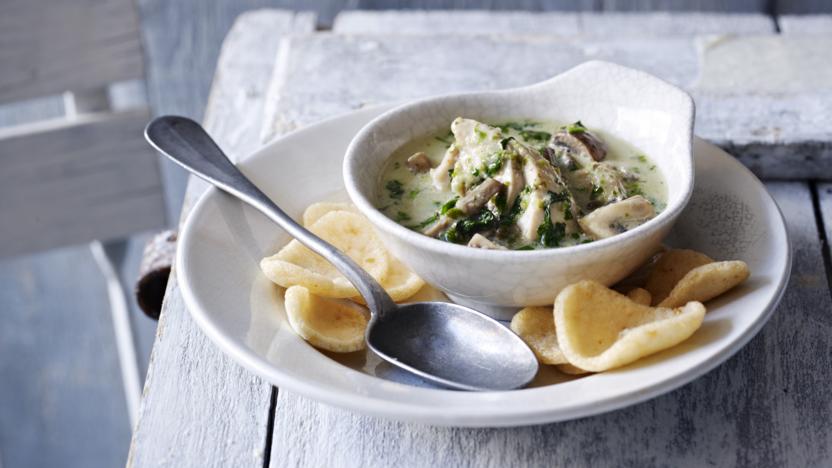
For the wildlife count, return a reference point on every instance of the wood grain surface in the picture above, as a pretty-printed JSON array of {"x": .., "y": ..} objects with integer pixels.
[
  {"x": 51, "y": 46},
  {"x": 766, "y": 406},
  {"x": 199, "y": 407},
  {"x": 564, "y": 24},
  {"x": 102, "y": 185}
]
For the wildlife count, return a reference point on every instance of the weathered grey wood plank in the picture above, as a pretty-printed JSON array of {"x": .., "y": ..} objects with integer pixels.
[
  {"x": 780, "y": 133},
  {"x": 824, "y": 193},
  {"x": 532, "y": 5},
  {"x": 182, "y": 56},
  {"x": 60, "y": 386},
  {"x": 685, "y": 5},
  {"x": 766, "y": 406},
  {"x": 550, "y": 23},
  {"x": 802, "y": 6},
  {"x": 806, "y": 24},
  {"x": 50, "y": 46},
  {"x": 199, "y": 407},
  {"x": 68, "y": 182}
]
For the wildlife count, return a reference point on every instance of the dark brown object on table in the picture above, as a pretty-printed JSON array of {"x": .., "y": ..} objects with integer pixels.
[{"x": 154, "y": 272}]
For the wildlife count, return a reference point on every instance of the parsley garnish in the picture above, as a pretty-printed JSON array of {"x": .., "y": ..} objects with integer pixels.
[
  {"x": 402, "y": 216},
  {"x": 575, "y": 128},
  {"x": 394, "y": 187}
]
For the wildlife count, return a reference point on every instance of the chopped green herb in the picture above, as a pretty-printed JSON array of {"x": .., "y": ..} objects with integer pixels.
[
  {"x": 402, "y": 216},
  {"x": 525, "y": 247},
  {"x": 504, "y": 142},
  {"x": 454, "y": 213},
  {"x": 413, "y": 194},
  {"x": 426, "y": 222},
  {"x": 549, "y": 234},
  {"x": 535, "y": 135},
  {"x": 633, "y": 188},
  {"x": 508, "y": 218},
  {"x": 461, "y": 231},
  {"x": 558, "y": 197},
  {"x": 448, "y": 205},
  {"x": 511, "y": 126},
  {"x": 397, "y": 165},
  {"x": 447, "y": 139},
  {"x": 394, "y": 187},
  {"x": 567, "y": 210},
  {"x": 500, "y": 201},
  {"x": 641, "y": 158},
  {"x": 575, "y": 128},
  {"x": 494, "y": 165},
  {"x": 596, "y": 193},
  {"x": 480, "y": 134}
]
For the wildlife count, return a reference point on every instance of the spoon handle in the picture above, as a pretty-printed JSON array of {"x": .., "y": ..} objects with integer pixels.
[{"x": 186, "y": 143}]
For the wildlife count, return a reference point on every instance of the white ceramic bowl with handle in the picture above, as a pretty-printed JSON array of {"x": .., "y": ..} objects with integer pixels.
[{"x": 649, "y": 113}]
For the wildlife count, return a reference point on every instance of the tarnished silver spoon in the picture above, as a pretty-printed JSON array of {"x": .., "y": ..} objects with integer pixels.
[{"x": 444, "y": 343}]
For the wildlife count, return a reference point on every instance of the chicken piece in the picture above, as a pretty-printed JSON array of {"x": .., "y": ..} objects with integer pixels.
[
  {"x": 478, "y": 143},
  {"x": 441, "y": 174},
  {"x": 511, "y": 176},
  {"x": 542, "y": 178},
  {"x": 618, "y": 217},
  {"x": 479, "y": 241},
  {"x": 418, "y": 163}
]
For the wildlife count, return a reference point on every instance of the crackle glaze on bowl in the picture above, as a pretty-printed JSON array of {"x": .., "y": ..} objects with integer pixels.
[{"x": 652, "y": 115}]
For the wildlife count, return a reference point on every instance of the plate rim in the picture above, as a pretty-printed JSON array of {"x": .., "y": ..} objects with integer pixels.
[{"x": 398, "y": 411}]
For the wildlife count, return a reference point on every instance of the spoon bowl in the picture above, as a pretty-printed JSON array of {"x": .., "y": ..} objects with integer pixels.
[
  {"x": 452, "y": 345},
  {"x": 444, "y": 343}
]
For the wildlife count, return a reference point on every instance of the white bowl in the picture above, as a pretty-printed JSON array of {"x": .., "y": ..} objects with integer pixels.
[{"x": 653, "y": 115}]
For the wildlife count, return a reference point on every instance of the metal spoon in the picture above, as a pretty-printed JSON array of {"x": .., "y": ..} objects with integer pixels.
[{"x": 444, "y": 343}]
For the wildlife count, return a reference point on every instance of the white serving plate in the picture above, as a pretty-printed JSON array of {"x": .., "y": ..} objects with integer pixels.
[{"x": 730, "y": 216}]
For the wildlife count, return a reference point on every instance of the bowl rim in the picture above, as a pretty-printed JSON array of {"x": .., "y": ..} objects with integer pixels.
[{"x": 381, "y": 221}]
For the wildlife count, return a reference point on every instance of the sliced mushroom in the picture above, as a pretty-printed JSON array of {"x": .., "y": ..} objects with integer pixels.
[
  {"x": 471, "y": 203},
  {"x": 477, "y": 197},
  {"x": 441, "y": 174},
  {"x": 479, "y": 241},
  {"x": 618, "y": 217},
  {"x": 584, "y": 147},
  {"x": 418, "y": 162},
  {"x": 440, "y": 225}
]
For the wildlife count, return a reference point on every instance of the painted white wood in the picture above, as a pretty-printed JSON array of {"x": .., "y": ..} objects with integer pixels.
[
  {"x": 780, "y": 133},
  {"x": 199, "y": 407},
  {"x": 49, "y": 46},
  {"x": 808, "y": 25},
  {"x": 70, "y": 181},
  {"x": 565, "y": 24}
]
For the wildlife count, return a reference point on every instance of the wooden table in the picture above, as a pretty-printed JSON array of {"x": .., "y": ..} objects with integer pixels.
[{"x": 763, "y": 91}]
